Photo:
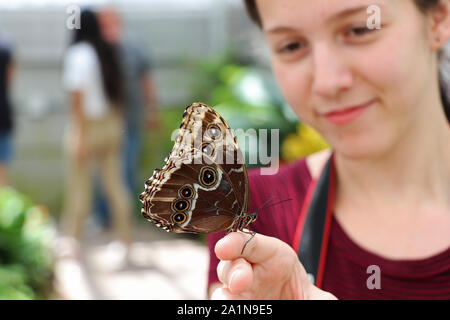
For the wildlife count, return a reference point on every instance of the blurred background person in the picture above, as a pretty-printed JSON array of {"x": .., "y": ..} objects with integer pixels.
[
  {"x": 92, "y": 76},
  {"x": 140, "y": 101},
  {"x": 6, "y": 116}
]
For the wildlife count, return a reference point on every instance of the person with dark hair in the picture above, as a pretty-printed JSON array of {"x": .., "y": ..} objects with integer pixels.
[
  {"x": 6, "y": 115},
  {"x": 140, "y": 99},
  {"x": 370, "y": 218},
  {"x": 92, "y": 76}
]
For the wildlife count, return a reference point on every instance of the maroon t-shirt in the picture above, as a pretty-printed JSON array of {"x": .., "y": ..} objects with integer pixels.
[{"x": 349, "y": 271}]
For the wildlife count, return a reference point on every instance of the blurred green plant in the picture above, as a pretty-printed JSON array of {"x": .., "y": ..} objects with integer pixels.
[
  {"x": 247, "y": 97},
  {"x": 26, "y": 233}
]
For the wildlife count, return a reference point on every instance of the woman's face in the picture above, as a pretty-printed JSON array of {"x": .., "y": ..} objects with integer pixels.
[{"x": 361, "y": 89}]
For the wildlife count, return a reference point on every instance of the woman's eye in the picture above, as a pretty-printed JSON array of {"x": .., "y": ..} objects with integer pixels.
[
  {"x": 290, "y": 49},
  {"x": 291, "y": 46},
  {"x": 359, "y": 31}
]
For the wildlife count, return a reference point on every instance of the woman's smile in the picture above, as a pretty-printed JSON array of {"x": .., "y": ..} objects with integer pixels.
[{"x": 348, "y": 114}]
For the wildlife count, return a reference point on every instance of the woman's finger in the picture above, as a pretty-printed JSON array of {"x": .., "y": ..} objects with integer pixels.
[
  {"x": 236, "y": 275},
  {"x": 225, "y": 294},
  {"x": 260, "y": 248},
  {"x": 222, "y": 294}
]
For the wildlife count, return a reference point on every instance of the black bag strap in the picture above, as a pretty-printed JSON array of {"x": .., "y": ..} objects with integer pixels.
[{"x": 315, "y": 232}]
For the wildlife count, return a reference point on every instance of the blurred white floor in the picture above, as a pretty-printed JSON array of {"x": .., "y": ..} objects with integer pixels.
[{"x": 171, "y": 267}]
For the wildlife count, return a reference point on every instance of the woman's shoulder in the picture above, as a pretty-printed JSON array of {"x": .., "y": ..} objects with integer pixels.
[
  {"x": 290, "y": 182},
  {"x": 81, "y": 52},
  {"x": 278, "y": 198},
  {"x": 306, "y": 169},
  {"x": 82, "y": 47},
  {"x": 316, "y": 162}
]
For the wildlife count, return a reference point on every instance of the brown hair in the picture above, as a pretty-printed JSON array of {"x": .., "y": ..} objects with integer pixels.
[{"x": 422, "y": 5}]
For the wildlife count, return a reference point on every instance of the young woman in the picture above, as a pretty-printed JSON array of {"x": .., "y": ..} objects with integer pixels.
[
  {"x": 374, "y": 94},
  {"x": 93, "y": 79}
]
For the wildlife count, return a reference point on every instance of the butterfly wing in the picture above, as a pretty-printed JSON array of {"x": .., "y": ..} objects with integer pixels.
[
  {"x": 204, "y": 186},
  {"x": 210, "y": 133}
]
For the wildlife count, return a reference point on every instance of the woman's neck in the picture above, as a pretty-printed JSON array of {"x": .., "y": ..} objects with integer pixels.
[{"x": 413, "y": 175}]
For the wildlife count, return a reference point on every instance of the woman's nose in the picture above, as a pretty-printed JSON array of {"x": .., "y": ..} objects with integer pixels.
[{"x": 330, "y": 72}]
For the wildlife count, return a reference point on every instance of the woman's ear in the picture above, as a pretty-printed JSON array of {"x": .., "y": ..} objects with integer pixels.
[{"x": 440, "y": 24}]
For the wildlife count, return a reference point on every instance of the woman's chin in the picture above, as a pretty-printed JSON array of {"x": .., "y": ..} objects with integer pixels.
[{"x": 360, "y": 147}]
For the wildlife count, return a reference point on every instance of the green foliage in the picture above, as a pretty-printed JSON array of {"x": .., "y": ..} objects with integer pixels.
[
  {"x": 246, "y": 96},
  {"x": 13, "y": 283},
  {"x": 25, "y": 257}
]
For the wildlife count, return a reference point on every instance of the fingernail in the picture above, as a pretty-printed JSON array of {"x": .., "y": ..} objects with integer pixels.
[
  {"x": 220, "y": 242},
  {"x": 218, "y": 294}
]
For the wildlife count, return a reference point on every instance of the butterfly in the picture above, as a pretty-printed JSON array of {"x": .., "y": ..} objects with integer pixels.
[{"x": 203, "y": 186}]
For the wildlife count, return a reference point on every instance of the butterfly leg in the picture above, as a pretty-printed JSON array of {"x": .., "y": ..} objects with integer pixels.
[{"x": 252, "y": 233}]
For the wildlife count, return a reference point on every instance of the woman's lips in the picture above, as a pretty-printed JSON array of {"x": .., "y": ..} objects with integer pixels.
[{"x": 346, "y": 115}]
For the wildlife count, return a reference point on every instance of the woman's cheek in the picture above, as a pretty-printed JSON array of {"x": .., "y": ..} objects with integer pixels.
[
  {"x": 392, "y": 73},
  {"x": 293, "y": 86}
]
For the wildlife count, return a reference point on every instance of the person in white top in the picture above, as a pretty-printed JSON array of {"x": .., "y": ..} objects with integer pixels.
[
  {"x": 92, "y": 78},
  {"x": 82, "y": 72}
]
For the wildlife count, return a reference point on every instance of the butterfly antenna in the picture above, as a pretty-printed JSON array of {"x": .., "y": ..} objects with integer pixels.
[
  {"x": 265, "y": 202},
  {"x": 263, "y": 206}
]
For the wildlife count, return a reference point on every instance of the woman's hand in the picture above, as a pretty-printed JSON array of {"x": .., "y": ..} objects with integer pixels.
[{"x": 267, "y": 269}]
